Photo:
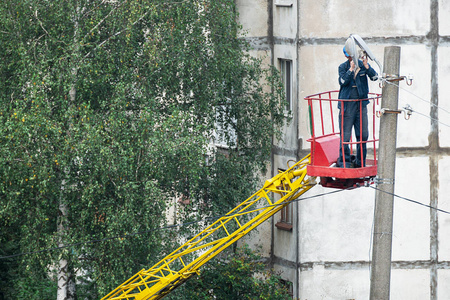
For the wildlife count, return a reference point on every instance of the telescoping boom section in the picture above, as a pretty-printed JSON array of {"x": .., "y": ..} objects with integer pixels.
[{"x": 184, "y": 262}]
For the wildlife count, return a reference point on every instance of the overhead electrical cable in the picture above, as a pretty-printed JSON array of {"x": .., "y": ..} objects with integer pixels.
[
  {"x": 127, "y": 235},
  {"x": 427, "y": 101},
  {"x": 416, "y": 111},
  {"x": 412, "y": 201}
]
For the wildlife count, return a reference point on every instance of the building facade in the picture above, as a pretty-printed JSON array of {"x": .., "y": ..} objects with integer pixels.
[{"x": 323, "y": 245}]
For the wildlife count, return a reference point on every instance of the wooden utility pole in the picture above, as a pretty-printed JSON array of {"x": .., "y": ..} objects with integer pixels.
[{"x": 384, "y": 200}]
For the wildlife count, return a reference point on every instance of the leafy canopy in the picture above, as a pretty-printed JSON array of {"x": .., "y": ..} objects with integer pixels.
[
  {"x": 242, "y": 275},
  {"x": 107, "y": 108}
]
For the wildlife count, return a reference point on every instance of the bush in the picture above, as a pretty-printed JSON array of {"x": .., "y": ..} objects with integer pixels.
[{"x": 239, "y": 275}]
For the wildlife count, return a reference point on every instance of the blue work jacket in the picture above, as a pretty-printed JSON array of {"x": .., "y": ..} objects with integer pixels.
[{"x": 346, "y": 80}]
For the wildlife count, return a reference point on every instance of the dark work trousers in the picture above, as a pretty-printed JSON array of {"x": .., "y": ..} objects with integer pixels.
[{"x": 354, "y": 113}]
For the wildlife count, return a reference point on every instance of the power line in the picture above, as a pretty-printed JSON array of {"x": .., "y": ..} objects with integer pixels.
[
  {"x": 433, "y": 119},
  {"x": 406, "y": 199},
  {"x": 412, "y": 201},
  {"x": 427, "y": 101},
  {"x": 127, "y": 235},
  {"x": 417, "y": 112}
]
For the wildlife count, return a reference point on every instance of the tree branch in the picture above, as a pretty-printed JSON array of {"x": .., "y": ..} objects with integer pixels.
[
  {"x": 116, "y": 34},
  {"x": 40, "y": 22},
  {"x": 119, "y": 32},
  {"x": 107, "y": 16}
]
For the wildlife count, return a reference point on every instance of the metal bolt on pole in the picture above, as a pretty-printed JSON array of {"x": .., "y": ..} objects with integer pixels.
[{"x": 384, "y": 199}]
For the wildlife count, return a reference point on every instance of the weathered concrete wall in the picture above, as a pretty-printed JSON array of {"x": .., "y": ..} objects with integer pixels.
[
  {"x": 254, "y": 17},
  {"x": 336, "y": 18},
  {"x": 255, "y": 20},
  {"x": 327, "y": 255},
  {"x": 420, "y": 268}
]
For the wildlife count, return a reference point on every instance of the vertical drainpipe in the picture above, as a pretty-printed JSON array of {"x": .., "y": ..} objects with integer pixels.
[
  {"x": 272, "y": 156},
  {"x": 299, "y": 145}
]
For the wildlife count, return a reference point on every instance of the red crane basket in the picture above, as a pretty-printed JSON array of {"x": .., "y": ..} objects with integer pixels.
[{"x": 326, "y": 140}]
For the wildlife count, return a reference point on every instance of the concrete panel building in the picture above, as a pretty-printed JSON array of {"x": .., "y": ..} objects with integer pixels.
[{"x": 323, "y": 245}]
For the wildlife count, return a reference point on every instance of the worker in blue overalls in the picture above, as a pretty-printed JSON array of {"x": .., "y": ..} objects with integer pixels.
[{"x": 354, "y": 85}]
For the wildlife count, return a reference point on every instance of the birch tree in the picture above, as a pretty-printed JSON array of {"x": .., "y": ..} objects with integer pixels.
[{"x": 107, "y": 108}]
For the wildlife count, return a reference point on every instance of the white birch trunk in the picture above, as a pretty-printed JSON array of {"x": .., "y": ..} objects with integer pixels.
[
  {"x": 66, "y": 283},
  {"x": 66, "y": 286}
]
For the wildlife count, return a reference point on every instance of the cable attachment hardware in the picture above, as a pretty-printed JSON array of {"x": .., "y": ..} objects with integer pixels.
[
  {"x": 382, "y": 82},
  {"x": 367, "y": 183},
  {"x": 389, "y": 78},
  {"x": 379, "y": 180},
  {"x": 409, "y": 79},
  {"x": 407, "y": 110},
  {"x": 392, "y": 78}
]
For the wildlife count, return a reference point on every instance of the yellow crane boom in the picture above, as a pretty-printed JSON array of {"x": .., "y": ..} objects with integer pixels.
[{"x": 184, "y": 262}]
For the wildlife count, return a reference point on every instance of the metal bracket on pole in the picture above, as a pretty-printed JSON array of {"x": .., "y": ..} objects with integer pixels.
[
  {"x": 388, "y": 111},
  {"x": 394, "y": 78},
  {"x": 379, "y": 180},
  {"x": 407, "y": 110},
  {"x": 390, "y": 77}
]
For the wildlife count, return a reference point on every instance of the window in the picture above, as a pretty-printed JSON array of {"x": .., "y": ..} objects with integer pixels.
[
  {"x": 286, "y": 214},
  {"x": 286, "y": 78},
  {"x": 285, "y": 221},
  {"x": 224, "y": 134},
  {"x": 288, "y": 285}
]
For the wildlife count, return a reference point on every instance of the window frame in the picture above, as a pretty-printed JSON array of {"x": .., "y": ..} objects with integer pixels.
[
  {"x": 286, "y": 70},
  {"x": 221, "y": 133},
  {"x": 286, "y": 216}
]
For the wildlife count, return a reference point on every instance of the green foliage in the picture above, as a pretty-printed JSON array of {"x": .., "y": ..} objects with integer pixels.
[
  {"x": 241, "y": 275},
  {"x": 107, "y": 108}
]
